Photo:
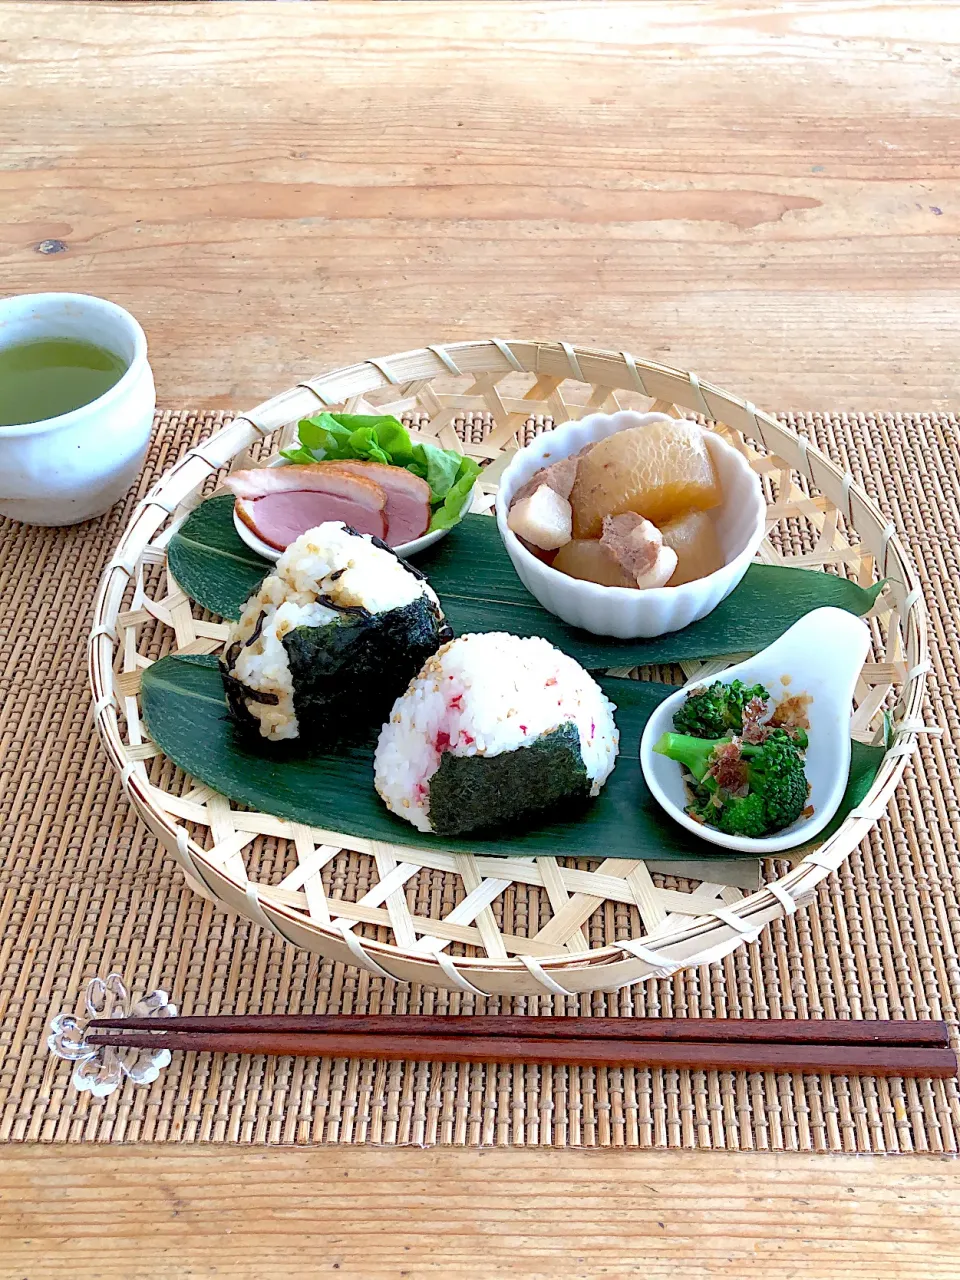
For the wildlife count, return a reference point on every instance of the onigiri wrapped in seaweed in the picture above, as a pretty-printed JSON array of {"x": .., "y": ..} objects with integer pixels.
[
  {"x": 330, "y": 639},
  {"x": 493, "y": 730}
]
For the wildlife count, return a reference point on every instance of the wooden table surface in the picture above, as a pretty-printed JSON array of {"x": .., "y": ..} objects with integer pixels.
[
  {"x": 762, "y": 193},
  {"x": 164, "y": 1213}
]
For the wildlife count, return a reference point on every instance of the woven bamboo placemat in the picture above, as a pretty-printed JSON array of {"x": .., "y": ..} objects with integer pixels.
[{"x": 84, "y": 889}]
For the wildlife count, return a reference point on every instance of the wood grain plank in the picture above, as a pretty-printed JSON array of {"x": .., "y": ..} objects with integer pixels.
[
  {"x": 767, "y": 194},
  {"x": 147, "y": 1213}
]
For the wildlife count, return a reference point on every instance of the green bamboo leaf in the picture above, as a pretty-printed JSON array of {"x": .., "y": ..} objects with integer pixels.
[
  {"x": 212, "y": 563},
  {"x": 186, "y": 716},
  {"x": 479, "y": 590}
]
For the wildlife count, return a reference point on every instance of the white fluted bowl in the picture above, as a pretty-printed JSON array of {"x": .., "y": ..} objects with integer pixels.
[{"x": 623, "y": 612}]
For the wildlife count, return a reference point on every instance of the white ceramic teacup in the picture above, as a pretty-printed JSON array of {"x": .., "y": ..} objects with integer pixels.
[{"x": 77, "y": 465}]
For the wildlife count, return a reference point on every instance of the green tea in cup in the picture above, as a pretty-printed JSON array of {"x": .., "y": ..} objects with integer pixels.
[
  {"x": 46, "y": 377},
  {"x": 76, "y": 406}
]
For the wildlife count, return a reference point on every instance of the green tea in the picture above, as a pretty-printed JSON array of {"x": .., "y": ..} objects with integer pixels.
[{"x": 50, "y": 376}]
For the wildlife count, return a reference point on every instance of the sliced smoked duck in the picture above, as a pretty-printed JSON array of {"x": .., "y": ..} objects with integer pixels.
[
  {"x": 408, "y": 497},
  {"x": 281, "y": 503}
]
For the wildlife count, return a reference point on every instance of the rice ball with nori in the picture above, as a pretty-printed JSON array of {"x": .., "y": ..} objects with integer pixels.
[
  {"x": 493, "y": 730},
  {"x": 330, "y": 638}
]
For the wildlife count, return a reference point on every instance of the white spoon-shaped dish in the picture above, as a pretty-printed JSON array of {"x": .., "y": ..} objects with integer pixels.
[
  {"x": 405, "y": 549},
  {"x": 821, "y": 656}
]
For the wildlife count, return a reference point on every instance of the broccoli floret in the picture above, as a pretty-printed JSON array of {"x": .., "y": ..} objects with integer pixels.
[
  {"x": 775, "y": 771},
  {"x": 735, "y": 815},
  {"x": 744, "y": 816},
  {"x": 693, "y": 753},
  {"x": 712, "y": 711},
  {"x": 776, "y": 783}
]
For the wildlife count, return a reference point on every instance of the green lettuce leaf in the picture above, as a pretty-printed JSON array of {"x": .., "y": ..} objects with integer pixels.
[
  {"x": 333, "y": 437},
  {"x": 299, "y": 455},
  {"x": 451, "y": 510},
  {"x": 439, "y": 467}
]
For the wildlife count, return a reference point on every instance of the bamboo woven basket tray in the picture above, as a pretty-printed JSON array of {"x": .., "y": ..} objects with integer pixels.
[{"x": 505, "y": 926}]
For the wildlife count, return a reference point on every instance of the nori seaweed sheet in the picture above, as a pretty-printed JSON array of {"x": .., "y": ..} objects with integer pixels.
[
  {"x": 347, "y": 674},
  {"x": 236, "y": 693},
  {"x": 470, "y": 793}
]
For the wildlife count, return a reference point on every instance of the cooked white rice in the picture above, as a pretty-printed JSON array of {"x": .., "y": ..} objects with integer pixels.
[
  {"x": 483, "y": 695},
  {"x": 366, "y": 575}
]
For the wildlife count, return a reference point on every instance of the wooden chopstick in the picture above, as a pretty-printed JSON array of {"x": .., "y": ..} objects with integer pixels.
[
  {"x": 843, "y": 1059},
  {"x": 714, "y": 1030}
]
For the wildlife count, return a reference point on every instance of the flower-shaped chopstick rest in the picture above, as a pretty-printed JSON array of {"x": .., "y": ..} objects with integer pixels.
[{"x": 100, "y": 1068}]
